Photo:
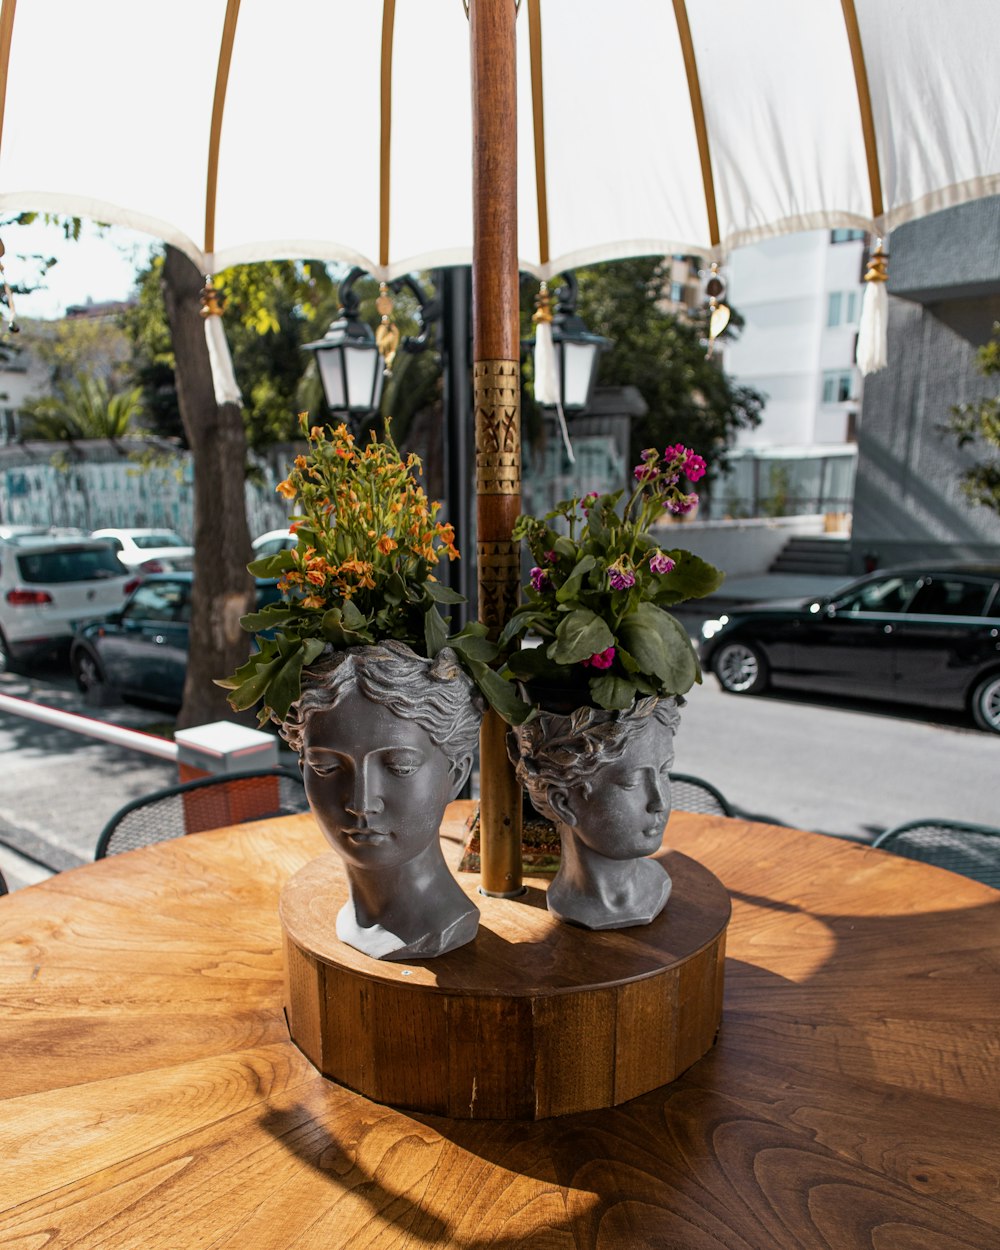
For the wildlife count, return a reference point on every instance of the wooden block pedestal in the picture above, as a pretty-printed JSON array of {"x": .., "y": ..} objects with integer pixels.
[{"x": 532, "y": 1019}]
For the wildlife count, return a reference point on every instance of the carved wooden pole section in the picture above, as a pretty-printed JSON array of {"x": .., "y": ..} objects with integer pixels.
[{"x": 497, "y": 401}]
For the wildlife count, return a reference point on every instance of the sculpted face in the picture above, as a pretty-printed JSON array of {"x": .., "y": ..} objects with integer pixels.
[
  {"x": 623, "y": 814},
  {"x": 376, "y": 783}
]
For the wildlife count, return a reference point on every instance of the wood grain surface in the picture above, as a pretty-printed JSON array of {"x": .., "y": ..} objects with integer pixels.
[
  {"x": 151, "y": 1096},
  {"x": 532, "y": 1019}
]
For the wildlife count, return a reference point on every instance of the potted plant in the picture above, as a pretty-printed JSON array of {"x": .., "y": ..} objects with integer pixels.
[
  {"x": 355, "y": 664},
  {"x": 604, "y": 685}
]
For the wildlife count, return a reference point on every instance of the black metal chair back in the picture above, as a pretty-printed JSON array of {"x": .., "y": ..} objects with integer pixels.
[
  {"x": 209, "y": 803},
  {"x": 968, "y": 849},
  {"x": 691, "y": 794}
]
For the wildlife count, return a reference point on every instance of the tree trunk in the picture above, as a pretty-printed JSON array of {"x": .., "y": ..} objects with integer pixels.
[{"x": 223, "y": 589}]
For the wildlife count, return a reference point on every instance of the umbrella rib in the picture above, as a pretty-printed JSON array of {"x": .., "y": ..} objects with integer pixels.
[
  {"x": 698, "y": 117},
  {"x": 865, "y": 104},
  {"x": 385, "y": 137},
  {"x": 538, "y": 122},
  {"x": 218, "y": 108},
  {"x": 6, "y": 28}
]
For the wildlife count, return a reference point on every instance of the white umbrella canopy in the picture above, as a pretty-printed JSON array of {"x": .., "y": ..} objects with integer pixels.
[{"x": 340, "y": 129}]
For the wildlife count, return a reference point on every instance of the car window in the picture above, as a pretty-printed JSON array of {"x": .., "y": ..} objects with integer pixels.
[
  {"x": 163, "y": 538},
  {"x": 950, "y": 596},
  {"x": 273, "y": 546},
  {"x": 888, "y": 594},
  {"x": 70, "y": 564},
  {"x": 159, "y": 601}
]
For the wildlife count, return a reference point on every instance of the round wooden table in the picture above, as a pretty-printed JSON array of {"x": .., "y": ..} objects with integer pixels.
[{"x": 151, "y": 1096}]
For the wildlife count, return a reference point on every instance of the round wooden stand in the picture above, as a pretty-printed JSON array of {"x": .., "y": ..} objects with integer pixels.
[{"x": 532, "y": 1019}]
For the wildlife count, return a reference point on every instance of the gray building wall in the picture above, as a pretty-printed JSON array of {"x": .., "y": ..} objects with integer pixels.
[{"x": 944, "y": 298}]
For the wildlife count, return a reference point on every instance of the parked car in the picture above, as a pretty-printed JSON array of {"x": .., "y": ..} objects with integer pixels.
[
  {"x": 147, "y": 550},
  {"x": 48, "y": 586},
  {"x": 141, "y": 651},
  {"x": 923, "y": 633},
  {"x": 272, "y": 542}
]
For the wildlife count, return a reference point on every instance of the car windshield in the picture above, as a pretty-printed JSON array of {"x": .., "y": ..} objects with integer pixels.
[
  {"x": 68, "y": 564},
  {"x": 160, "y": 601},
  {"x": 161, "y": 538}
]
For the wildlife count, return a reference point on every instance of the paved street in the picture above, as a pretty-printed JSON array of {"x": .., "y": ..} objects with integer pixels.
[{"x": 834, "y": 766}]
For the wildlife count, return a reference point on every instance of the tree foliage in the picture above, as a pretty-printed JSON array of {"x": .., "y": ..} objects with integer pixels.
[
  {"x": 977, "y": 425},
  {"x": 691, "y": 399},
  {"x": 84, "y": 407}
]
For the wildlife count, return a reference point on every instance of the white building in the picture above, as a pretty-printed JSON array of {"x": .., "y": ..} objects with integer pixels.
[{"x": 800, "y": 295}]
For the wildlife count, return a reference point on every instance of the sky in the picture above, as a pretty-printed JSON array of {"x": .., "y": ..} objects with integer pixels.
[{"x": 101, "y": 265}]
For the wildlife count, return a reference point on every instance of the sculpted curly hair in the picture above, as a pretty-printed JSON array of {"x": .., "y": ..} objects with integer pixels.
[
  {"x": 438, "y": 694},
  {"x": 557, "y": 752}
]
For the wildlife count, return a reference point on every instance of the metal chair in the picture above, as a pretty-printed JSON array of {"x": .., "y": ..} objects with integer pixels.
[
  {"x": 691, "y": 794},
  {"x": 971, "y": 850},
  {"x": 209, "y": 803}
]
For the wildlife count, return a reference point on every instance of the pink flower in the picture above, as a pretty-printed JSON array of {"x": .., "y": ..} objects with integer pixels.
[
  {"x": 686, "y": 461},
  {"x": 684, "y": 504},
  {"x": 602, "y": 659},
  {"x": 660, "y": 563},
  {"x": 620, "y": 577},
  {"x": 588, "y": 501},
  {"x": 643, "y": 472},
  {"x": 539, "y": 578},
  {"x": 551, "y": 557}
]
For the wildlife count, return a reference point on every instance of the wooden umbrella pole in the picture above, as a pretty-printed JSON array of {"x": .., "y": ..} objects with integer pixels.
[{"x": 497, "y": 401}]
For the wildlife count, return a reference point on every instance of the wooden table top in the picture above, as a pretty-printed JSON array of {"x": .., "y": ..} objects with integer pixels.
[{"x": 151, "y": 1096}]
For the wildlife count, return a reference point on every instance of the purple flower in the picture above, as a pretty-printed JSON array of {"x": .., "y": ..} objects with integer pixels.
[
  {"x": 643, "y": 472},
  {"x": 620, "y": 577},
  {"x": 683, "y": 504},
  {"x": 539, "y": 578},
  {"x": 602, "y": 659},
  {"x": 551, "y": 557},
  {"x": 660, "y": 563}
]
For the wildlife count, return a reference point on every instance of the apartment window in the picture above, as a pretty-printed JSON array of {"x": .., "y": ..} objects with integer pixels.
[
  {"x": 846, "y": 236},
  {"x": 838, "y": 386},
  {"x": 842, "y": 308}
]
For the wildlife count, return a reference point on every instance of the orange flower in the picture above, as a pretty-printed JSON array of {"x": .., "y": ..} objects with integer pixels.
[
  {"x": 386, "y": 544},
  {"x": 301, "y": 462},
  {"x": 316, "y": 577},
  {"x": 313, "y": 601},
  {"x": 286, "y": 489}
]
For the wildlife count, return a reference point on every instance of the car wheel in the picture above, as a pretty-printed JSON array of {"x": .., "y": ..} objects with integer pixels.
[
  {"x": 7, "y": 662},
  {"x": 740, "y": 667},
  {"x": 986, "y": 704},
  {"x": 88, "y": 673}
]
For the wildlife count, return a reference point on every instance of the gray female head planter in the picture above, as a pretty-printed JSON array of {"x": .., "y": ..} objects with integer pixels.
[
  {"x": 603, "y": 777},
  {"x": 386, "y": 739}
]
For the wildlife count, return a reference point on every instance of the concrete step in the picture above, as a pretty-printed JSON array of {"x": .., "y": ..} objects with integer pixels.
[{"x": 826, "y": 554}]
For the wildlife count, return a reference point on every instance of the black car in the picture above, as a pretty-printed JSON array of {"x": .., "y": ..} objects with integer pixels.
[
  {"x": 141, "y": 651},
  {"x": 925, "y": 634}
]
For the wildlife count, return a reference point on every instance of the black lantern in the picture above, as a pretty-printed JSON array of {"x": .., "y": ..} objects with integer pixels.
[
  {"x": 350, "y": 366},
  {"x": 577, "y": 349}
]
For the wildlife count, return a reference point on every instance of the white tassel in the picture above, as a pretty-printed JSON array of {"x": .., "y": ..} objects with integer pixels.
[
  {"x": 564, "y": 431},
  {"x": 873, "y": 330},
  {"x": 546, "y": 376},
  {"x": 223, "y": 374}
]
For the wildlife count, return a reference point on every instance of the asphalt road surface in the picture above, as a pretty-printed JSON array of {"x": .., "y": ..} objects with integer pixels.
[{"x": 835, "y": 766}]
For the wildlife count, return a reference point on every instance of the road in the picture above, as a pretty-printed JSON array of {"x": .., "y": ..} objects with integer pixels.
[{"x": 823, "y": 764}]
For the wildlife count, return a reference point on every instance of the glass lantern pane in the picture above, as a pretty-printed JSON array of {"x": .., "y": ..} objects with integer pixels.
[
  {"x": 578, "y": 362},
  {"x": 364, "y": 367},
  {"x": 331, "y": 374}
]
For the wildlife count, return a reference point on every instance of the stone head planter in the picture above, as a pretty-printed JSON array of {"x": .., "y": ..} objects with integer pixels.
[
  {"x": 386, "y": 740},
  {"x": 603, "y": 778}
]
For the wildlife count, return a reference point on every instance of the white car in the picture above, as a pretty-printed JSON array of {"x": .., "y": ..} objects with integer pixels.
[
  {"x": 272, "y": 542},
  {"x": 148, "y": 550},
  {"x": 48, "y": 586}
]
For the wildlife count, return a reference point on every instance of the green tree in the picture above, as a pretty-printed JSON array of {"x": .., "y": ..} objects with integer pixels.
[
  {"x": 977, "y": 424},
  {"x": 691, "y": 400},
  {"x": 84, "y": 407}
]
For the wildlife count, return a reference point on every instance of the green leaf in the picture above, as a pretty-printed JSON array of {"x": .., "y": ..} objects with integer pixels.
[
  {"x": 272, "y": 566},
  {"x": 581, "y": 634},
  {"x": 528, "y": 663},
  {"x": 435, "y": 632},
  {"x": 612, "y": 693},
  {"x": 570, "y": 588},
  {"x": 269, "y": 617},
  {"x": 443, "y": 594},
  {"x": 501, "y": 695},
  {"x": 662, "y": 648},
  {"x": 691, "y": 578},
  {"x": 394, "y": 590},
  {"x": 286, "y": 682},
  {"x": 472, "y": 643},
  {"x": 523, "y": 619},
  {"x": 354, "y": 618},
  {"x": 251, "y": 680}
]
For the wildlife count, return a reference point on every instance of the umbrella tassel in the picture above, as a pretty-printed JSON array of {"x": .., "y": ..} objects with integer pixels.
[
  {"x": 220, "y": 358},
  {"x": 873, "y": 329},
  {"x": 546, "y": 372}
]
